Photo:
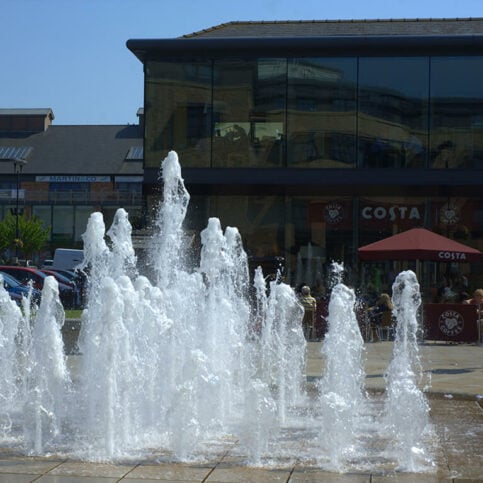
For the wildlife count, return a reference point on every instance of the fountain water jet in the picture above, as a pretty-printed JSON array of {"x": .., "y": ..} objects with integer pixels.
[
  {"x": 342, "y": 396},
  {"x": 188, "y": 365},
  {"x": 406, "y": 406}
]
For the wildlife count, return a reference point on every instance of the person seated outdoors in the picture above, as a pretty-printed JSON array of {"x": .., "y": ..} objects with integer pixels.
[
  {"x": 380, "y": 315},
  {"x": 477, "y": 300},
  {"x": 310, "y": 308}
]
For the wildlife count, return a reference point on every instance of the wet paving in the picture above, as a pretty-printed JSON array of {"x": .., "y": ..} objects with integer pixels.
[{"x": 454, "y": 388}]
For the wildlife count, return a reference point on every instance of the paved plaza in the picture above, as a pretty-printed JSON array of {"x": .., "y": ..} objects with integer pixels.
[{"x": 453, "y": 372}]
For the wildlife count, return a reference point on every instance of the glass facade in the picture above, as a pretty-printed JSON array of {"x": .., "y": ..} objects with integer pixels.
[
  {"x": 248, "y": 112},
  {"x": 179, "y": 101},
  {"x": 317, "y": 112},
  {"x": 393, "y": 112},
  {"x": 322, "y": 112},
  {"x": 456, "y": 119},
  {"x": 355, "y": 113}
]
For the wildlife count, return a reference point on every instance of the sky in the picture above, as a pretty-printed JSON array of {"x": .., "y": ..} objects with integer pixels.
[{"x": 71, "y": 55}]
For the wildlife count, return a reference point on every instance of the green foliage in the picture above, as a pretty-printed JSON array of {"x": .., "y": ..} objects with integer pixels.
[{"x": 32, "y": 235}]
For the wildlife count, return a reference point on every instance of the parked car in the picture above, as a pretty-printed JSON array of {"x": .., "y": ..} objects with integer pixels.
[
  {"x": 25, "y": 274},
  {"x": 47, "y": 263},
  {"x": 62, "y": 278},
  {"x": 17, "y": 291},
  {"x": 76, "y": 276},
  {"x": 67, "y": 258}
]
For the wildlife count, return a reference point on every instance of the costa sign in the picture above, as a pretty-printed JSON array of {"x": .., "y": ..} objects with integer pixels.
[
  {"x": 392, "y": 213},
  {"x": 451, "y": 256},
  {"x": 451, "y": 323}
]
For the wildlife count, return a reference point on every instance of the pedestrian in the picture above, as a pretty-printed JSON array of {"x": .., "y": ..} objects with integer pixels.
[{"x": 310, "y": 308}]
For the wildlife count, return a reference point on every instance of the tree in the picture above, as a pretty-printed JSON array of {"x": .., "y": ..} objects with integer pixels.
[{"x": 32, "y": 235}]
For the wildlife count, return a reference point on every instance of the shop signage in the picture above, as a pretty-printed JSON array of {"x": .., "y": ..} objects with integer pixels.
[
  {"x": 392, "y": 213},
  {"x": 333, "y": 213},
  {"x": 449, "y": 214},
  {"x": 128, "y": 179},
  {"x": 74, "y": 179},
  {"x": 11, "y": 194},
  {"x": 451, "y": 256},
  {"x": 451, "y": 323}
]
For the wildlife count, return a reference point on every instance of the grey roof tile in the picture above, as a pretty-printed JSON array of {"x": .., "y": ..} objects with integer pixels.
[
  {"x": 317, "y": 28},
  {"x": 27, "y": 111},
  {"x": 80, "y": 150}
]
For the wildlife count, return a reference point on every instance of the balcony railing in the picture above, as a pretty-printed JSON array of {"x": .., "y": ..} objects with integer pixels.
[{"x": 78, "y": 197}]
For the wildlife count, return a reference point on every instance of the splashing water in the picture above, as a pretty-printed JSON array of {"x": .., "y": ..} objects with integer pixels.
[
  {"x": 10, "y": 322},
  {"x": 406, "y": 406},
  {"x": 200, "y": 360},
  {"x": 47, "y": 376},
  {"x": 342, "y": 396}
]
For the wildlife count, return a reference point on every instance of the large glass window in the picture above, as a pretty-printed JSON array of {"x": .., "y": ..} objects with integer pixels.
[
  {"x": 44, "y": 213},
  {"x": 260, "y": 220},
  {"x": 320, "y": 232},
  {"x": 393, "y": 112},
  {"x": 321, "y": 114},
  {"x": 249, "y": 112},
  {"x": 178, "y": 112},
  {"x": 82, "y": 214},
  {"x": 63, "y": 225},
  {"x": 457, "y": 112}
]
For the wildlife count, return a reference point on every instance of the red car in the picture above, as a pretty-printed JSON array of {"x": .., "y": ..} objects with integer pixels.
[{"x": 25, "y": 274}]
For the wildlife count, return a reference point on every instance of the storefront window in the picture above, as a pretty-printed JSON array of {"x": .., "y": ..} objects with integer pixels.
[
  {"x": 249, "y": 112},
  {"x": 320, "y": 232},
  {"x": 178, "y": 112},
  {"x": 44, "y": 213},
  {"x": 321, "y": 113},
  {"x": 456, "y": 112},
  {"x": 260, "y": 220},
  {"x": 63, "y": 225},
  {"x": 393, "y": 112},
  {"x": 82, "y": 214}
]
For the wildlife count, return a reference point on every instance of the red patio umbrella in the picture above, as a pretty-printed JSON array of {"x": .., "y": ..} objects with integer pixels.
[{"x": 419, "y": 244}]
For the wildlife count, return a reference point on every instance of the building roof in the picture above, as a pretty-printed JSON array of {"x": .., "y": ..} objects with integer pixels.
[
  {"x": 456, "y": 36},
  {"x": 77, "y": 150},
  {"x": 317, "y": 28},
  {"x": 47, "y": 111}
]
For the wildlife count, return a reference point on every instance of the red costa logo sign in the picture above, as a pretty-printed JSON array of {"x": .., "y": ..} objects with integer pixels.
[
  {"x": 333, "y": 213},
  {"x": 451, "y": 322},
  {"x": 390, "y": 213},
  {"x": 451, "y": 256}
]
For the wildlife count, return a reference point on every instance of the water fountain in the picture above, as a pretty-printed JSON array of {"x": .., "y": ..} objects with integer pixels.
[{"x": 200, "y": 360}]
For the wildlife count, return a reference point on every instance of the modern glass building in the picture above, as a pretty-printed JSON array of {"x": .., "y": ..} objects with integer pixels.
[{"x": 316, "y": 138}]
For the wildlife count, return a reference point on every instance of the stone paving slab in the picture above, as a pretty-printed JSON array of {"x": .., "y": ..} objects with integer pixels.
[
  {"x": 170, "y": 472},
  {"x": 454, "y": 376},
  {"x": 453, "y": 369}
]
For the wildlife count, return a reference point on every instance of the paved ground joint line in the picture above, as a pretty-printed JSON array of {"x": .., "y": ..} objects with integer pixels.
[
  {"x": 291, "y": 473},
  {"x": 47, "y": 472},
  {"x": 129, "y": 472}
]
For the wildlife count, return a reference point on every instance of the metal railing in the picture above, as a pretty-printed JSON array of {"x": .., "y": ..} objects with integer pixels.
[{"x": 77, "y": 197}]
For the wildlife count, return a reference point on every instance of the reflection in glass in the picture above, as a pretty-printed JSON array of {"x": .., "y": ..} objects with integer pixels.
[
  {"x": 44, "y": 213},
  {"x": 82, "y": 214},
  {"x": 248, "y": 112},
  {"x": 456, "y": 112},
  {"x": 393, "y": 112},
  {"x": 63, "y": 224},
  {"x": 178, "y": 112},
  {"x": 321, "y": 112},
  {"x": 260, "y": 220}
]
